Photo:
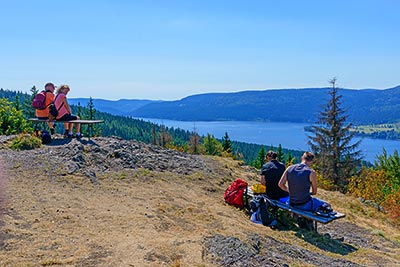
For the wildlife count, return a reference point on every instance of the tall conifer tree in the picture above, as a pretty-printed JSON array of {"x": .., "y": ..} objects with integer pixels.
[
  {"x": 336, "y": 155},
  {"x": 226, "y": 143}
]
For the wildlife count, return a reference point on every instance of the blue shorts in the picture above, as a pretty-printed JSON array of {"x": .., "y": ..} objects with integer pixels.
[{"x": 284, "y": 200}]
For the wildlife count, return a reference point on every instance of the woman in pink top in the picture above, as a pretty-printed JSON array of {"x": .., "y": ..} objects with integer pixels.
[{"x": 64, "y": 112}]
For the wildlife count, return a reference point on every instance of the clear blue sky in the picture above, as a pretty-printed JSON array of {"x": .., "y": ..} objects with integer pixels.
[{"x": 171, "y": 49}]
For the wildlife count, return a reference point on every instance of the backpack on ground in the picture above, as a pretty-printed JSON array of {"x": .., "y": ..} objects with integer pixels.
[
  {"x": 45, "y": 137},
  {"x": 264, "y": 211},
  {"x": 236, "y": 193},
  {"x": 39, "y": 102}
]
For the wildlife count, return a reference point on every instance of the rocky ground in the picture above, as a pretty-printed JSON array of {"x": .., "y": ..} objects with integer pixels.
[{"x": 112, "y": 202}]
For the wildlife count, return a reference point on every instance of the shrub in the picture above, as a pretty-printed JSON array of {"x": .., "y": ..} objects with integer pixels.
[
  {"x": 324, "y": 183},
  {"x": 392, "y": 206},
  {"x": 26, "y": 142},
  {"x": 380, "y": 184},
  {"x": 12, "y": 120},
  {"x": 370, "y": 184}
]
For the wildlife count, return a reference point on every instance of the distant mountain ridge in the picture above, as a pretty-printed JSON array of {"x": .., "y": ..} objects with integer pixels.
[
  {"x": 122, "y": 107},
  {"x": 364, "y": 106}
]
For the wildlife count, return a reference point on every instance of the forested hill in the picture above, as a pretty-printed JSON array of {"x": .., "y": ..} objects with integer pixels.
[
  {"x": 123, "y": 107},
  {"x": 367, "y": 106}
]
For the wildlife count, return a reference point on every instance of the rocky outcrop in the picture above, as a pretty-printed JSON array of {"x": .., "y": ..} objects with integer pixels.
[{"x": 101, "y": 155}]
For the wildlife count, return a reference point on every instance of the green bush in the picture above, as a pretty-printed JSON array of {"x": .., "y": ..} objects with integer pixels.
[
  {"x": 25, "y": 142},
  {"x": 12, "y": 120}
]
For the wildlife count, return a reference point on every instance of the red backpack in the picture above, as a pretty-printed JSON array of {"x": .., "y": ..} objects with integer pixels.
[
  {"x": 39, "y": 102},
  {"x": 235, "y": 192}
]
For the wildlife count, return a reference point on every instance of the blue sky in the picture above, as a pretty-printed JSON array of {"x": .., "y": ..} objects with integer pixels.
[{"x": 171, "y": 49}]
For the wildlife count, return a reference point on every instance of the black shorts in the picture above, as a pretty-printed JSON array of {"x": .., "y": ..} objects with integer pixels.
[
  {"x": 68, "y": 117},
  {"x": 43, "y": 118}
]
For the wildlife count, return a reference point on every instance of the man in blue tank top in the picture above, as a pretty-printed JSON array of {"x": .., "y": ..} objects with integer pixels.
[{"x": 300, "y": 178}]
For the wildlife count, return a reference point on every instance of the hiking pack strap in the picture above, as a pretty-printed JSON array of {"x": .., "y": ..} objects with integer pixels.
[
  {"x": 45, "y": 92},
  {"x": 62, "y": 104}
]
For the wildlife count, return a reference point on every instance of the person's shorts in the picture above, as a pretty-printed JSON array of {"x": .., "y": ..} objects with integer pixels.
[
  {"x": 284, "y": 200},
  {"x": 68, "y": 117},
  {"x": 43, "y": 118}
]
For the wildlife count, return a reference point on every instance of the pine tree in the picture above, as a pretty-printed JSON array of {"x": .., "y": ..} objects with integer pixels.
[
  {"x": 153, "y": 135},
  {"x": 91, "y": 109},
  {"x": 226, "y": 143},
  {"x": 28, "y": 110},
  {"x": 260, "y": 160},
  {"x": 281, "y": 155},
  {"x": 194, "y": 143},
  {"x": 212, "y": 146},
  {"x": 17, "y": 103},
  {"x": 331, "y": 141},
  {"x": 290, "y": 159},
  {"x": 164, "y": 137},
  {"x": 79, "y": 110},
  {"x": 93, "y": 129},
  {"x": 34, "y": 92}
]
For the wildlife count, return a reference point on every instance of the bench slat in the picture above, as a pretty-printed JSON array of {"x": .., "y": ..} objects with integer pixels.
[{"x": 75, "y": 121}]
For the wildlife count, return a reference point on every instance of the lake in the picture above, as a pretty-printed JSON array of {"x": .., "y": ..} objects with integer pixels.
[{"x": 289, "y": 135}]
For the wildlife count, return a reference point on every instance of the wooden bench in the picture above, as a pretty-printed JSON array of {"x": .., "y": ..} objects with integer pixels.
[
  {"x": 88, "y": 122},
  {"x": 302, "y": 213}
]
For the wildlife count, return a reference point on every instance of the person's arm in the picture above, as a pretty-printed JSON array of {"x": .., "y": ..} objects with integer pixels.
[
  {"x": 313, "y": 180},
  {"x": 67, "y": 105},
  {"x": 262, "y": 179},
  {"x": 282, "y": 182}
]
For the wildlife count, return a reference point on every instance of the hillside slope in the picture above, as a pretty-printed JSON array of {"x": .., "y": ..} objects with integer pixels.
[{"x": 111, "y": 202}]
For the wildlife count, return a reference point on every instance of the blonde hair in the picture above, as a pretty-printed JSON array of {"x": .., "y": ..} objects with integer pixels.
[{"x": 63, "y": 86}]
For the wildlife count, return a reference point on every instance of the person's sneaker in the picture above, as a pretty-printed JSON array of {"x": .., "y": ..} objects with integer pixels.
[
  {"x": 273, "y": 224},
  {"x": 52, "y": 131},
  {"x": 78, "y": 136},
  {"x": 67, "y": 135}
]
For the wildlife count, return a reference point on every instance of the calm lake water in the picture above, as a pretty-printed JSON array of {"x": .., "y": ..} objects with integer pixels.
[{"x": 289, "y": 135}]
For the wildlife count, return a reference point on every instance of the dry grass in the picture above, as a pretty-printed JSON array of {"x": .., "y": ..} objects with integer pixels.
[{"x": 144, "y": 218}]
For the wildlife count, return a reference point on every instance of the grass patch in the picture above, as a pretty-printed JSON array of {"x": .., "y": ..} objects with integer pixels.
[{"x": 25, "y": 142}]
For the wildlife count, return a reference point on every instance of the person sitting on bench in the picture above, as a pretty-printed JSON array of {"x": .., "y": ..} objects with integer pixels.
[
  {"x": 43, "y": 114},
  {"x": 300, "y": 177},
  {"x": 64, "y": 112},
  {"x": 270, "y": 173}
]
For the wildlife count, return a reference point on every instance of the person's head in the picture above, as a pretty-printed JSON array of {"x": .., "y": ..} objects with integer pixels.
[
  {"x": 271, "y": 155},
  {"x": 49, "y": 87},
  {"x": 308, "y": 158},
  {"x": 63, "y": 89}
]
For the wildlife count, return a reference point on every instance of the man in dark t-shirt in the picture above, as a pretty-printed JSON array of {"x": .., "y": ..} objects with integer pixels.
[{"x": 271, "y": 173}]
